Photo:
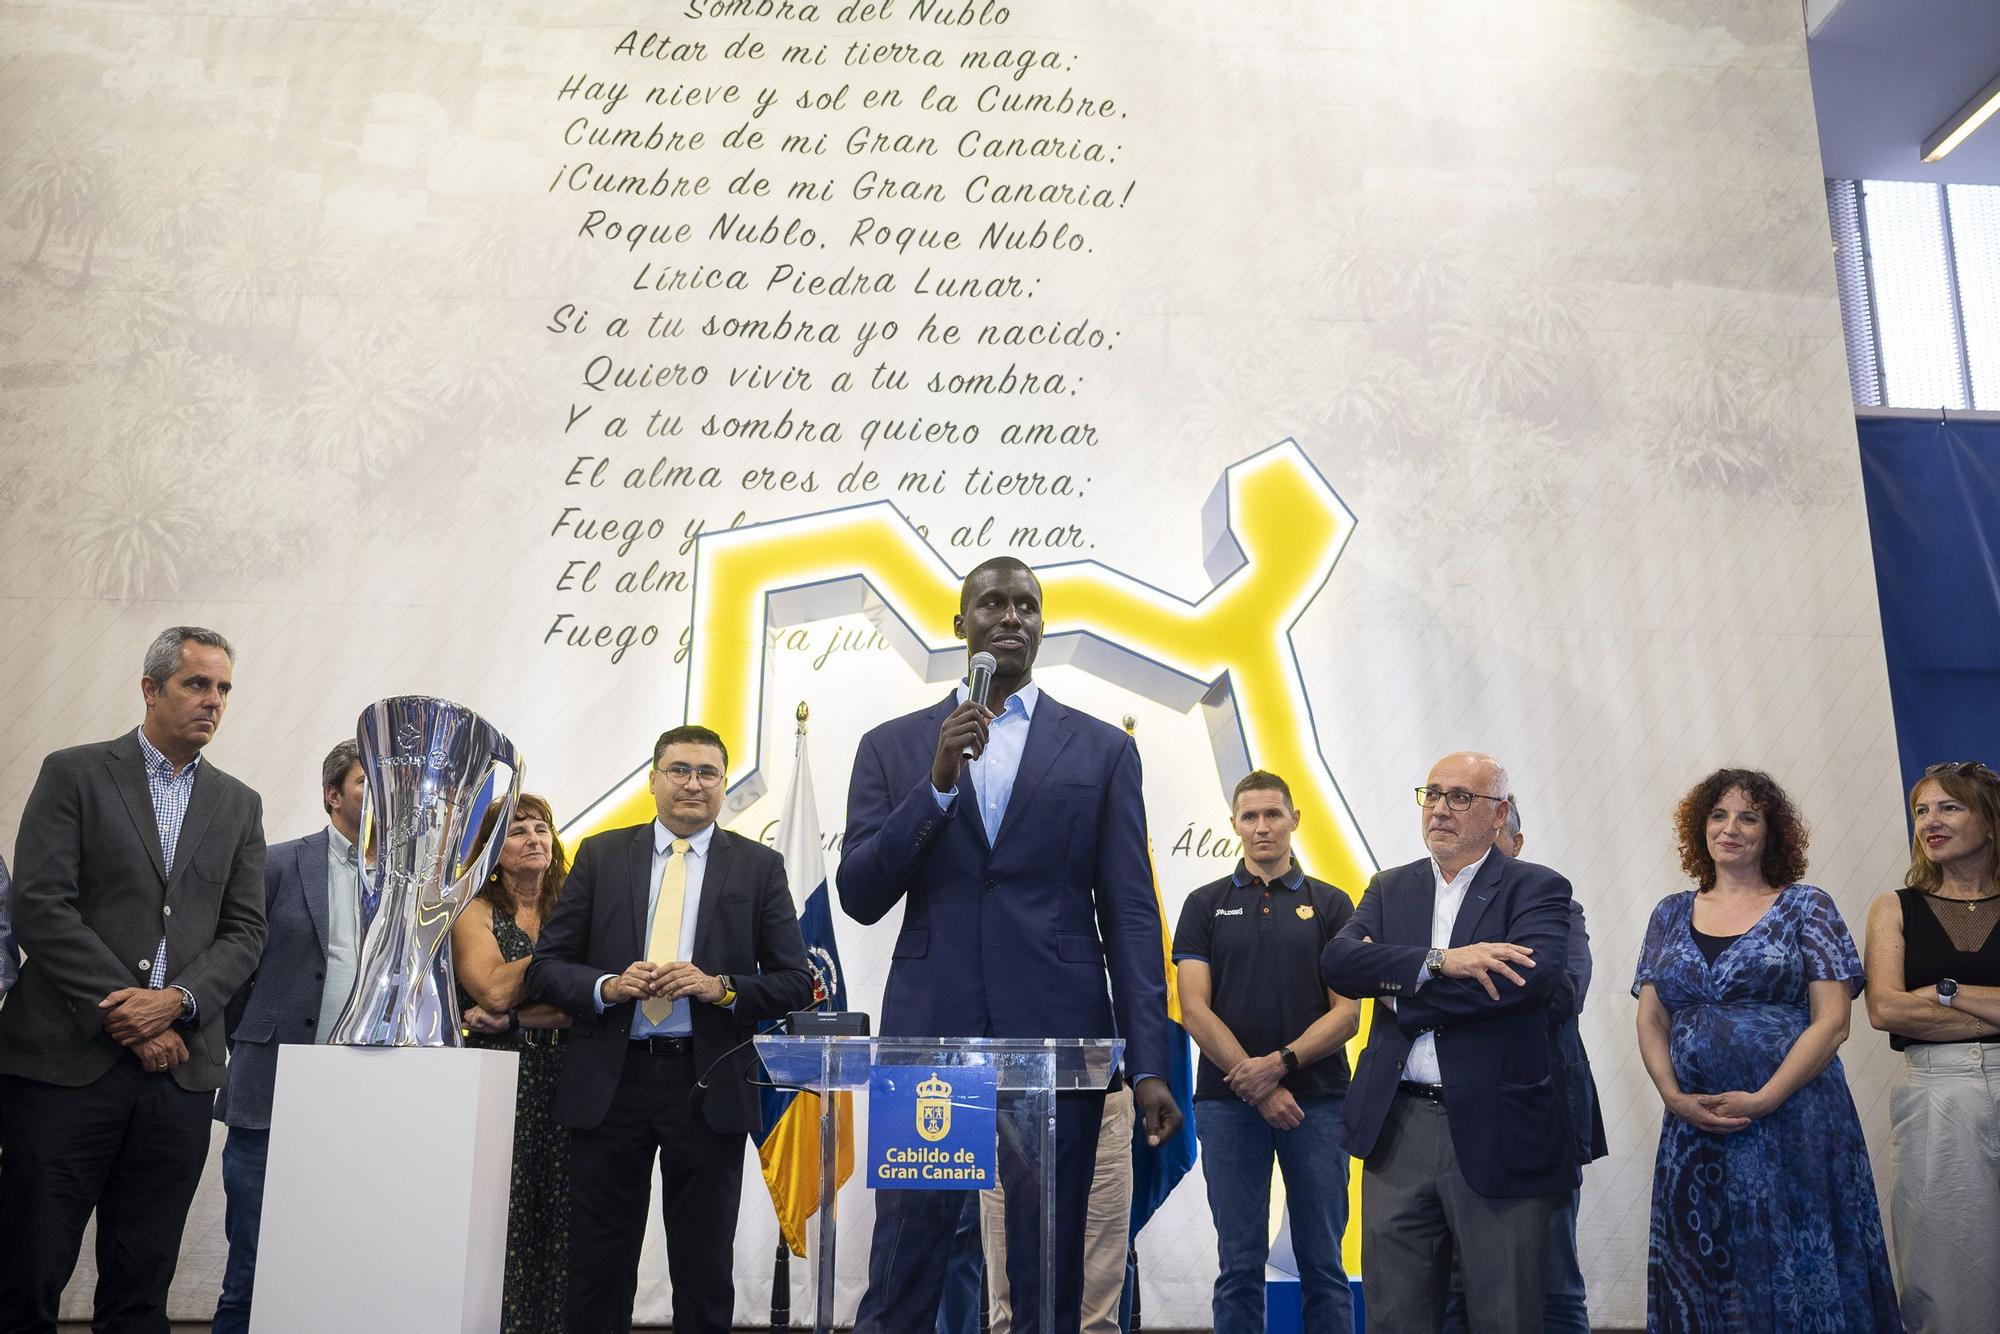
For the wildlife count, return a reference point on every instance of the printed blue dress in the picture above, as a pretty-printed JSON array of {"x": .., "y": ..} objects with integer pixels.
[{"x": 1773, "y": 1228}]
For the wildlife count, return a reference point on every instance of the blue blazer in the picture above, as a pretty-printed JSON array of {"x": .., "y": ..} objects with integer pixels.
[
  {"x": 1012, "y": 938},
  {"x": 1506, "y": 1094},
  {"x": 280, "y": 1002},
  {"x": 1586, "y": 1115}
]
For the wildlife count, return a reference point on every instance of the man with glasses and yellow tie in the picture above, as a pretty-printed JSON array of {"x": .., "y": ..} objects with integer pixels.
[
  {"x": 1458, "y": 1108},
  {"x": 670, "y": 942}
]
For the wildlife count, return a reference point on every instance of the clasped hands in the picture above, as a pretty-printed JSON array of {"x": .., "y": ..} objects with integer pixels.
[
  {"x": 142, "y": 1019},
  {"x": 645, "y": 980},
  {"x": 1255, "y": 1079},
  {"x": 1720, "y": 1113}
]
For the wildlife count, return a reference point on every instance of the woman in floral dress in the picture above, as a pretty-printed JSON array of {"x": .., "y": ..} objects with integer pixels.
[{"x": 1764, "y": 1215}]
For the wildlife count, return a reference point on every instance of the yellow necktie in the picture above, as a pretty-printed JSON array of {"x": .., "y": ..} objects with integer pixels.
[{"x": 664, "y": 945}]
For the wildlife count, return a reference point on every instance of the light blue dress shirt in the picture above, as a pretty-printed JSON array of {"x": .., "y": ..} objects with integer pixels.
[
  {"x": 679, "y": 1022},
  {"x": 993, "y": 773},
  {"x": 343, "y": 924},
  {"x": 171, "y": 793}
]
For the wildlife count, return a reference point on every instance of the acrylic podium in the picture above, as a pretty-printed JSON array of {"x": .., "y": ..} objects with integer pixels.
[{"x": 1028, "y": 1074}]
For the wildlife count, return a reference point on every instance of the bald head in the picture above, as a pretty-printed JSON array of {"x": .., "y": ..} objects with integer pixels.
[{"x": 1457, "y": 838}]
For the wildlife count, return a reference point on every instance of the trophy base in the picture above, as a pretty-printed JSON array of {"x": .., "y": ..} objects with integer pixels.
[{"x": 385, "y": 1199}]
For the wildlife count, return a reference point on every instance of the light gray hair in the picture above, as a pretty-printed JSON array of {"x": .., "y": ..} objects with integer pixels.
[
  {"x": 163, "y": 659},
  {"x": 1513, "y": 815},
  {"x": 333, "y": 769}
]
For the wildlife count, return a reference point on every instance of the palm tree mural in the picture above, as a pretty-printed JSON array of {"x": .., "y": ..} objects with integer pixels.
[
  {"x": 362, "y": 411},
  {"x": 130, "y": 536},
  {"x": 64, "y": 189}
]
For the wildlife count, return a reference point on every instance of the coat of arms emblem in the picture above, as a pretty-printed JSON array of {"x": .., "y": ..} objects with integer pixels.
[{"x": 933, "y": 1109}]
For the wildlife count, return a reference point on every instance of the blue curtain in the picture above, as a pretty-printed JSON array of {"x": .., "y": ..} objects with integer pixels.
[{"x": 1933, "y": 489}]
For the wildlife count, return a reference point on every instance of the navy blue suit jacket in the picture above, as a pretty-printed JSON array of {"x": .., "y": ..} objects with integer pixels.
[
  {"x": 1012, "y": 938},
  {"x": 280, "y": 1003},
  {"x": 1586, "y": 1115},
  {"x": 745, "y": 926},
  {"x": 1505, "y": 1091}
]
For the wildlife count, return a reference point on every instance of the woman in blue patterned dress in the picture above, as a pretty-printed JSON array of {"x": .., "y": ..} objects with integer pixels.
[{"x": 1764, "y": 1216}]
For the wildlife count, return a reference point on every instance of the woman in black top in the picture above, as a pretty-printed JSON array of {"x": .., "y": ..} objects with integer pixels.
[
  {"x": 491, "y": 943},
  {"x": 1934, "y": 987}
]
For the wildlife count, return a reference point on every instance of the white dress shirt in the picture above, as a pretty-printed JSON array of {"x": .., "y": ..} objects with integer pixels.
[{"x": 1447, "y": 897}]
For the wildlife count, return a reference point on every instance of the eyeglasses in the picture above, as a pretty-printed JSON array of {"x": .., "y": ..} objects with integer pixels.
[
  {"x": 678, "y": 774},
  {"x": 1457, "y": 798}
]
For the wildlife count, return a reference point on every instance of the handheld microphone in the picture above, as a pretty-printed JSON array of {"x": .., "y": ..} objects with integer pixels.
[{"x": 979, "y": 684}]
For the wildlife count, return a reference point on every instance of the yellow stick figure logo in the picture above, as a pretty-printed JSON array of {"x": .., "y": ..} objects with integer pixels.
[
  {"x": 1273, "y": 529},
  {"x": 933, "y": 1109}
]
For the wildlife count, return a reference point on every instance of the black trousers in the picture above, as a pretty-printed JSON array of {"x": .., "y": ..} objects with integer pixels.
[
  {"x": 656, "y": 1109},
  {"x": 908, "y": 1254},
  {"x": 130, "y": 1146}
]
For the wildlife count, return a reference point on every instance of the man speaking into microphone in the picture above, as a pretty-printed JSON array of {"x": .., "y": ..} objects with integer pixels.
[{"x": 1014, "y": 835}]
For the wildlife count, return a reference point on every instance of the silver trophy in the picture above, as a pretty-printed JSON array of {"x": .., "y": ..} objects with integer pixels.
[{"x": 431, "y": 770}]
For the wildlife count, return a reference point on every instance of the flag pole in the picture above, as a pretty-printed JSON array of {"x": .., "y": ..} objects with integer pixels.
[{"x": 781, "y": 1264}]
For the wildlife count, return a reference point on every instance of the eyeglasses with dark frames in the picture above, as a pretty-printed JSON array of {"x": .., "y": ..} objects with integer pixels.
[{"x": 1457, "y": 798}]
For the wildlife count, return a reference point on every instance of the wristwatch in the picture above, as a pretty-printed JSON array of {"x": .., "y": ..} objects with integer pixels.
[
  {"x": 1290, "y": 1058},
  {"x": 1947, "y": 990},
  {"x": 1434, "y": 963},
  {"x": 728, "y": 989}
]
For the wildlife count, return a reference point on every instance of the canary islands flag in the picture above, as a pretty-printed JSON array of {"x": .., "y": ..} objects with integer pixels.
[{"x": 789, "y": 1145}]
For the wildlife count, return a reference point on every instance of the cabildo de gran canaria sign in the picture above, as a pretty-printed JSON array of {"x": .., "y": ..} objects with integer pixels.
[{"x": 929, "y": 1132}]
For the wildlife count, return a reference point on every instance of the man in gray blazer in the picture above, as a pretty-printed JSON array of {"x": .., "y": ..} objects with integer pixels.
[
  {"x": 139, "y": 906},
  {"x": 311, "y": 889}
]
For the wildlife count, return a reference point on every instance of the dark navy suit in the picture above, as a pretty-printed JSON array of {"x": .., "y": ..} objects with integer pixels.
[
  {"x": 1011, "y": 938},
  {"x": 1505, "y": 1090},
  {"x": 625, "y": 1102}
]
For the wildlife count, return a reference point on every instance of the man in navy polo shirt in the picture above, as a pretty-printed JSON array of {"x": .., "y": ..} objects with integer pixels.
[{"x": 1273, "y": 1068}]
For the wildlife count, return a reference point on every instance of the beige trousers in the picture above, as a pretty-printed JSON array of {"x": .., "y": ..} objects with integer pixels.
[
  {"x": 1104, "y": 1238},
  {"x": 1944, "y": 1196}
]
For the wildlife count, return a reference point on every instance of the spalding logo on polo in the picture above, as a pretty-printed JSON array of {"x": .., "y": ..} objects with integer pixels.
[{"x": 1228, "y": 912}]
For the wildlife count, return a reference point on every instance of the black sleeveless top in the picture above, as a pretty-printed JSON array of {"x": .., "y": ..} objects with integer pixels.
[{"x": 1947, "y": 938}]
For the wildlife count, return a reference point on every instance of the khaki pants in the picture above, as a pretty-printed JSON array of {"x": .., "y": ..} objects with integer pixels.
[
  {"x": 1104, "y": 1244},
  {"x": 1944, "y": 1196}
]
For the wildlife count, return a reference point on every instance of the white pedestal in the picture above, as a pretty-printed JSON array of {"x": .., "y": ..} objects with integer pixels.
[{"x": 385, "y": 1201}]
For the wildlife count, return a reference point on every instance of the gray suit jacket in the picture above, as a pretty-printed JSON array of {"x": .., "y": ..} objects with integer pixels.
[
  {"x": 281, "y": 1002},
  {"x": 91, "y": 899}
]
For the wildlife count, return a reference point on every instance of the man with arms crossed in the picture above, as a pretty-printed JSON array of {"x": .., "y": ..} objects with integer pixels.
[
  {"x": 1458, "y": 1109},
  {"x": 312, "y": 887},
  {"x": 1248, "y": 947},
  {"x": 139, "y": 904},
  {"x": 1023, "y": 874},
  {"x": 671, "y": 941}
]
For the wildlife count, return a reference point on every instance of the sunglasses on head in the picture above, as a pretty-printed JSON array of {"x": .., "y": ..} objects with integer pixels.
[{"x": 1972, "y": 768}]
